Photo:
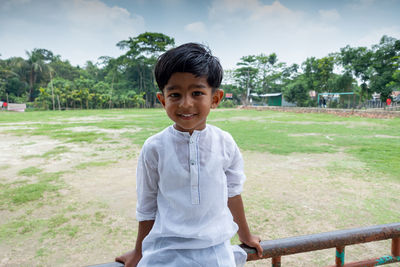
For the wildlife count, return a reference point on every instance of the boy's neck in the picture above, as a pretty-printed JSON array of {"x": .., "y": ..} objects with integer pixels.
[{"x": 190, "y": 132}]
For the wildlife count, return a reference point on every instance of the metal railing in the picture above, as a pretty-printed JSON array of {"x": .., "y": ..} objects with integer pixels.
[{"x": 277, "y": 248}]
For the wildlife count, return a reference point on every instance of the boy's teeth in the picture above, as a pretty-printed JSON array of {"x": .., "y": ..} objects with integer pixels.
[{"x": 186, "y": 115}]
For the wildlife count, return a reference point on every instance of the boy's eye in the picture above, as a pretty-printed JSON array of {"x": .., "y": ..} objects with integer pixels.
[
  {"x": 173, "y": 95},
  {"x": 198, "y": 93}
]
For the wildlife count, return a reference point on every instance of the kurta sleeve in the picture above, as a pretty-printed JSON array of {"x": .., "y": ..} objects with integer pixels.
[
  {"x": 234, "y": 173},
  {"x": 146, "y": 185}
]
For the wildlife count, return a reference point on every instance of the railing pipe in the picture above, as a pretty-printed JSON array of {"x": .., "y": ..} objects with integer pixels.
[{"x": 336, "y": 239}]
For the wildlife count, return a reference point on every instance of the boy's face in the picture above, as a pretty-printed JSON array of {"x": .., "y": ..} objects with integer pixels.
[{"x": 187, "y": 99}]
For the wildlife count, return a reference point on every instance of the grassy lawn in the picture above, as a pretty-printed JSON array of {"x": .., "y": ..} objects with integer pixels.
[{"x": 67, "y": 187}]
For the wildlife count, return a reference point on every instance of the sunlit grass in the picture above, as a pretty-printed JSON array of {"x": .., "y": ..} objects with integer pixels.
[
  {"x": 89, "y": 164},
  {"x": 30, "y": 171},
  {"x": 23, "y": 191}
]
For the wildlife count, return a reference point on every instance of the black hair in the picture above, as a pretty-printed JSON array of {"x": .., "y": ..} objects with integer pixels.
[{"x": 193, "y": 58}]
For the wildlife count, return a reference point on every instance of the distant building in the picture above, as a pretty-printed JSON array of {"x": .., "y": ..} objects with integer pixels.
[
  {"x": 16, "y": 107},
  {"x": 273, "y": 99}
]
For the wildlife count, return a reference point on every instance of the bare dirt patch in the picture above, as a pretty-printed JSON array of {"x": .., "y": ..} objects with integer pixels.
[
  {"x": 96, "y": 201},
  {"x": 15, "y": 148},
  {"x": 114, "y": 185}
]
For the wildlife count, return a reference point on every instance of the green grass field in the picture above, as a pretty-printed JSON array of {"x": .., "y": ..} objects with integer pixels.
[{"x": 67, "y": 180}]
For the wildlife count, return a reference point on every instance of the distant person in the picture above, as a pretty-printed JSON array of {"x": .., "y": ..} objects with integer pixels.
[
  {"x": 190, "y": 175},
  {"x": 388, "y": 102},
  {"x": 5, "y": 104},
  {"x": 1, "y": 105},
  {"x": 324, "y": 102}
]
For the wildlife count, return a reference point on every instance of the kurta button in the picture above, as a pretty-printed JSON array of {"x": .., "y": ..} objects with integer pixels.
[{"x": 192, "y": 162}]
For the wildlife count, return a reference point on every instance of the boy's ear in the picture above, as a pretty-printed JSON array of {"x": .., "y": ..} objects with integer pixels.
[
  {"x": 217, "y": 97},
  {"x": 161, "y": 98}
]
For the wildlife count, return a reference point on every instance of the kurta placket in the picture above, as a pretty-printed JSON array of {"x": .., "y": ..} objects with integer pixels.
[{"x": 194, "y": 167}]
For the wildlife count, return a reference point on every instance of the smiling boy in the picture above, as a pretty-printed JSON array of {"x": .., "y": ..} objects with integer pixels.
[{"x": 190, "y": 175}]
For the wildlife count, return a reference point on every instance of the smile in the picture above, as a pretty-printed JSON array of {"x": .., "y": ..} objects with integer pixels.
[{"x": 186, "y": 116}]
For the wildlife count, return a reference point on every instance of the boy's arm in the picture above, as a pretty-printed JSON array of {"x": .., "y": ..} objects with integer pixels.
[
  {"x": 235, "y": 205},
  {"x": 144, "y": 229},
  {"x": 132, "y": 258}
]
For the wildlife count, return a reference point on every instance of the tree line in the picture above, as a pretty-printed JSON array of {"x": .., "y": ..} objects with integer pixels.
[
  {"x": 48, "y": 82},
  {"x": 361, "y": 70},
  {"x": 45, "y": 81}
]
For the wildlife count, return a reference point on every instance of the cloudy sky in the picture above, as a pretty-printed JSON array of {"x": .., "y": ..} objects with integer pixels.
[{"x": 81, "y": 30}]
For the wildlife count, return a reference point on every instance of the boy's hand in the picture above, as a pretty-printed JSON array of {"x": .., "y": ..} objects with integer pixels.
[
  {"x": 129, "y": 259},
  {"x": 254, "y": 242},
  {"x": 132, "y": 258}
]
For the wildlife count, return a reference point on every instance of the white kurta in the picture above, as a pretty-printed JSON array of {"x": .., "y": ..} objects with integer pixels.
[{"x": 183, "y": 183}]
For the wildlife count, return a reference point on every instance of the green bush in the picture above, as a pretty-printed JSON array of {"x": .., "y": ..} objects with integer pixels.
[{"x": 227, "y": 104}]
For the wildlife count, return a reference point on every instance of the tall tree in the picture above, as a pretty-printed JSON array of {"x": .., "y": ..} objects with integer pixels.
[
  {"x": 317, "y": 73},
  {"x": 270, "y": 73},
  {"x": 142, "y": 54},
  {"x": 36, "y": 63},
  {"x": 113, "y": 69},
  {"x": 64, "y": 69},
  {"x": 385, "y": 65},
  {"x": 297, "y": 92},
  {"x": 13, "y": 83},
  {"x": 246, "y": 75},
  {"x": 358, "y": 61}
]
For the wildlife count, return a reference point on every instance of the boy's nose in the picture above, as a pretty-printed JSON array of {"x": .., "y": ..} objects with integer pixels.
[{"x": 186, "y": 101}]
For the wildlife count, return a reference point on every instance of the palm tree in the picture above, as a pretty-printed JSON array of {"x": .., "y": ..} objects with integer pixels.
[
  {"x": 36, "y": 64},
  {"x": 51, "y": 71},
  {"x": 8, "y": 68}
]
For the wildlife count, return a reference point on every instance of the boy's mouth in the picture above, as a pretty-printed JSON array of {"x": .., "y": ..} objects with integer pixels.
[{"x": 187, "y": 116}]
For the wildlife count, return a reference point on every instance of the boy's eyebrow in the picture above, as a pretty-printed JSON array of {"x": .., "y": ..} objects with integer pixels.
[
  {"x": 199, "y": 85},
  {"x": 169, "y": 88}
]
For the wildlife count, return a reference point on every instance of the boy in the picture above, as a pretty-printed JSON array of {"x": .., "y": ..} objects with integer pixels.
[{"x": 190, "y": 175}]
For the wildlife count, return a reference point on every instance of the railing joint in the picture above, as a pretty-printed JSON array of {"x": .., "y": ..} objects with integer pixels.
[
  {"x": 396, "y": 247},
  {"x": 276, "y": 261},
  {"x": 340, "y": 256}
]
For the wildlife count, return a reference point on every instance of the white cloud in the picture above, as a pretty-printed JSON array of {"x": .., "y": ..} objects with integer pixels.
[
  {"x": 374, "y": 36},
  {"x": 254, "y": 14},
  {"x": 196, "y": 27},
  {"x": 78, "y": 30},
  {"x": 93, "y": 17},
  {"x": 274, "y": 11},
  {"x": 251, "y": 27},
  {"x": 250, "y": 9},
  {"x": 329, "y": 15}
]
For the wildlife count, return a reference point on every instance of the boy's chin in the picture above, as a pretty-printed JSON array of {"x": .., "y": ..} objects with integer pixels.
[{"x": 183, "y": 128}]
